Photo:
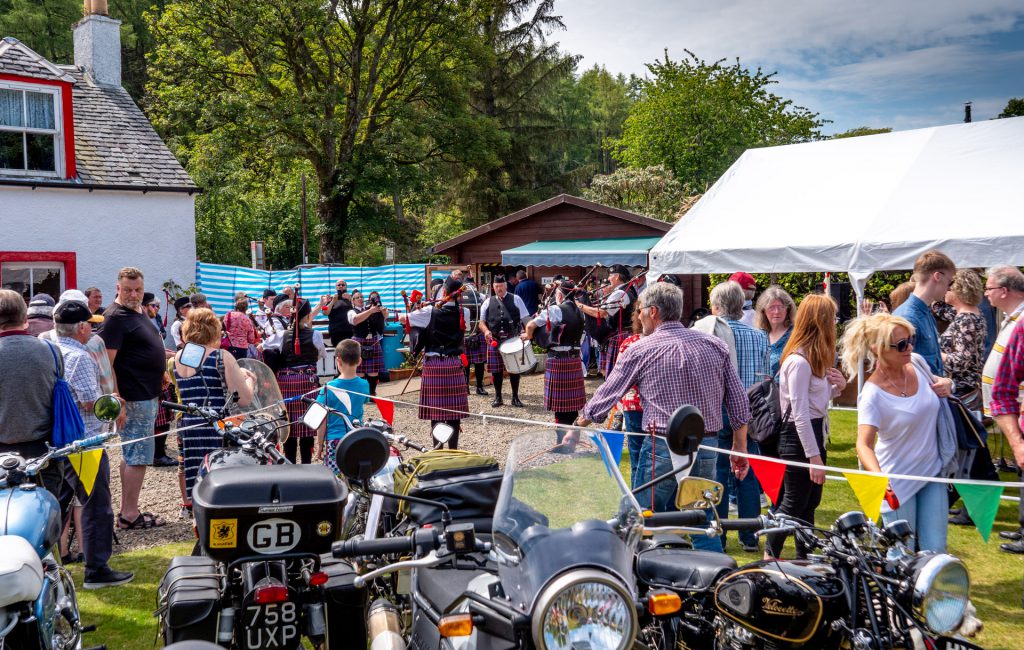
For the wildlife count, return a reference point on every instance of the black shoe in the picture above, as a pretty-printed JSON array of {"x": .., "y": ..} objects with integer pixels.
[
  {"x": 1013, "y": 547},
  {"x": 517, "y": 403},
  {"x": 165, "y": 461},
  {"x": 72, "y": 558},
  {"x": 961, "y": 519},
  {"x": 497, "y": 402},
  {"x": 480, "y": 391},
  {"x": 1013, "y": 535},
  {"x": 107, "y": 577}
]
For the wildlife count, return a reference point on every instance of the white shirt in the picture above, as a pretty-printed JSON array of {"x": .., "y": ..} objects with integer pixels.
[
  {"x": 492, "y": 303},
  {"x": 421, "y": 318},
  {"x": 907, "y": 438},
  {"x": 553, "y": 315},
  {"x": 616, "y": 300},
  {"x": 176, "y": 333}
]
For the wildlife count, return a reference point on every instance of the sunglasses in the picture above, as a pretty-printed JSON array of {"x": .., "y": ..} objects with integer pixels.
[{"x": 902, "y": 345}]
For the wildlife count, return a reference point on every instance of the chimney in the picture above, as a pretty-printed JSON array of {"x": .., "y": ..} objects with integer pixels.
[{"x": 98, "y": 44}]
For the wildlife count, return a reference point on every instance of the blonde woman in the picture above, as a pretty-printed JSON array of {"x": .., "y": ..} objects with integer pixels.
[{"x": 897, "y": 417}]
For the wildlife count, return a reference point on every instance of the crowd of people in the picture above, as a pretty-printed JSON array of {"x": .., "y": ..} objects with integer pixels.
[{"x": 653, "y": 358}]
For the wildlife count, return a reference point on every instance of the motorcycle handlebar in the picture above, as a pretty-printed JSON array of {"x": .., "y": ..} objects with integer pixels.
[
  {"x": 756, "y": 523},
  {"x": 677, "y": 518},
  {"x": 275, "y": 454},
  {"x": 174, "y": 406},
  {"x": 386, "y": 545}
]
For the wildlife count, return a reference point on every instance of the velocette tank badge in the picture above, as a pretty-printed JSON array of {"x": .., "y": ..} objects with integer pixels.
[
  {"x": 324, "y": 528},
  {"x": 774, "y": 606}
]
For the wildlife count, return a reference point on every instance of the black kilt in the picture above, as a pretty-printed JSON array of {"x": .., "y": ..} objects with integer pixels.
[
  {"x": 374, "y": 364},
  {"x": 495, "y": 364},
  {"x": 477, "y": 353},
  {"x": 295, "y": 382},
  {"x": 610, "y": 351},
  {"x": 443, "y": 386},
  {"x": 563, "y": 384}
]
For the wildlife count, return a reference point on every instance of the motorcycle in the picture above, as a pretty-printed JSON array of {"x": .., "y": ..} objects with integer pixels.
[
  {"x": 259, "y": 581},
  {"x": 38, "y": 606}
]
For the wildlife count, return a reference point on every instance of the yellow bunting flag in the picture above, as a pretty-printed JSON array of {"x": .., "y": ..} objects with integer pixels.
[
  {"x": 870, "y": 491},
  {"x": 86, "y": 465}
]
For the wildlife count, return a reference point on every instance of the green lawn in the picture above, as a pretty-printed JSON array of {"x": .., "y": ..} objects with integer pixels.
[{"x": 125, "y": 614}]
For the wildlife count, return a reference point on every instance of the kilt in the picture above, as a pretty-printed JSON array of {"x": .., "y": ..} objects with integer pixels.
[
  {"x": 476, "y": 354},
  {"x": 563, "y": 384},
  {"x": 374, "y": 364},
  {"x": 610, "y": 351},
  {"x": 294, "y": 382},
  {"x": 164, "y": 416},
  {"x": 495, "y": 364},
  {"x": 443, "y": 386}
]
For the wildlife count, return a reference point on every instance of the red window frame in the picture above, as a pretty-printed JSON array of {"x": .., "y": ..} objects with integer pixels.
[
  {"x": 69, "y": 260},
  {"x": 68, "y": 122}
]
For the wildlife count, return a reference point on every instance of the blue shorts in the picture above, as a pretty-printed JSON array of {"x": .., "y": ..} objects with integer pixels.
[{"x": 139, "y": 426}]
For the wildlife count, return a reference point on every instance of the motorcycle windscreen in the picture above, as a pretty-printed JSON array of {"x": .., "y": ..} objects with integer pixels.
[
  {"x": 266, "y": 406},
  {"x": 562, "y": 507}
]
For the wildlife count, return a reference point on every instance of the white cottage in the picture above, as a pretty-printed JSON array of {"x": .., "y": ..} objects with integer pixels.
[{"x": 86, "y": 184}]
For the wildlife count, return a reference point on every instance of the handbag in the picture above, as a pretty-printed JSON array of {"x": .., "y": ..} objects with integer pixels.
[
  {"x": 765, "y": 406},
  {"x": 68, "y": 425},
  {"x": 970, "y": 432}
]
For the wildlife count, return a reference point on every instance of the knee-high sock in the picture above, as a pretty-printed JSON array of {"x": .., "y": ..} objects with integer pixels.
[
  {"x": 514, "y": 381},
  {"x": 478, "y": 368},
  {"x": 372, "y": 380},
  {"x": 498, "y": 379}
]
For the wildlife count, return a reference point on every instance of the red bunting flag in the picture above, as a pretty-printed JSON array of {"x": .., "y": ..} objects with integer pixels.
[
  {"x": 769, "y": 474},
  {"x": 386, "y": 408}
]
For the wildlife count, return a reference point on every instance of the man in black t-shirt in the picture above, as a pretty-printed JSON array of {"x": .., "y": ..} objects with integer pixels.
[{"x": 137, "y": 354}]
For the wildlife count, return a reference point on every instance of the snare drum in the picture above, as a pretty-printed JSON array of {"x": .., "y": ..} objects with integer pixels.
[{"x": 517, "y": 355}]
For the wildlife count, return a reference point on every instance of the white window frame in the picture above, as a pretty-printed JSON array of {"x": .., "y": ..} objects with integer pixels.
[
  {"x": 41, "y": 264},
  {"x": 57, "y": 131}
]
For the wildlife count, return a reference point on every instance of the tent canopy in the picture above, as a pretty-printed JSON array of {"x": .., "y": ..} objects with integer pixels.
[
  {"x": 860, "y": 205},
  {"x": 631, "y": 251}
]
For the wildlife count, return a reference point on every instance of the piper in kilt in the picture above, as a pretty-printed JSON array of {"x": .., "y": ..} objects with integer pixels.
[
  {"x": 502, "y": 316},
  {"x": 564, "y": 392},
  {"x": 368, "y": 329},
  {"x": 443, "y": 395},
  {"x": 616, "y": 310},
  {"x": 301, "y": 349}
]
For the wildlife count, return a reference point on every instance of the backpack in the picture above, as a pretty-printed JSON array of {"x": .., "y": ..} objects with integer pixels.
[{"x": 766, "y": 418}]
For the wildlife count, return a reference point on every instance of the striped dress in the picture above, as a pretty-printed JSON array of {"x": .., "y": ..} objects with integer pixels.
[{"x": 205, "y": 389}]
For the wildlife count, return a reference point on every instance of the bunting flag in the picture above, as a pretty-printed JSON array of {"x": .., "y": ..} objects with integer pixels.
[
  {"x": 342, "y": 396},
  {"x": 982, "y": 503},
  {"x": 87, "y": 466},
  {"x": 386, "y": 408},
  {"x": 614, "y": 440},
  {"x": 606, "y": 453},
  {"x": 870, "y": 490},
  {"x": 769, "y": 474}
]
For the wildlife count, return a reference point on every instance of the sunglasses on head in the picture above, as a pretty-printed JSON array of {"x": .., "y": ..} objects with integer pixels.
[{"x": 902, "y": 345}]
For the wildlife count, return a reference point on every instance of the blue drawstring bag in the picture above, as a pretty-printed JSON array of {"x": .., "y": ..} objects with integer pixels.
[{"x": 68, "y": 425}]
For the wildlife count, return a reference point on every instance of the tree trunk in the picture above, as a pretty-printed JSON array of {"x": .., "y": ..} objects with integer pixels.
[{"x": 332, "y": 210}]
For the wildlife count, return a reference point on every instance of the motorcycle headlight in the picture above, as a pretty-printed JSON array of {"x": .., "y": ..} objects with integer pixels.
[
  {"x": 584, "y": 609},
  {"x": 940, "y": 592}
]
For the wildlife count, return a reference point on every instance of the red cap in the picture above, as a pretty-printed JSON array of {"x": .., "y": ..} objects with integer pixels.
[{"x": 745, "y": 280}]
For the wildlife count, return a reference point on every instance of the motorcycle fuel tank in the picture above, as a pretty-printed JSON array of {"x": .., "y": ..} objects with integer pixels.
[
  {"x": 32, "y": 513},
  {"x": 788, "y": 602}
]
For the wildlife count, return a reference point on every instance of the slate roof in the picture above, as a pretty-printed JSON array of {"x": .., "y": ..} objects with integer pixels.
[{"x": 17, "y": 58}]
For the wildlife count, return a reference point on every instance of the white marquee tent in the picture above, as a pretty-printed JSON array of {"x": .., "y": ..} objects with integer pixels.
[{"x": 860, "y": 205}]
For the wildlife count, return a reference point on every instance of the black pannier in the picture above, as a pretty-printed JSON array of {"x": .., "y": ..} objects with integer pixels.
[{"x": 189, "y": 597}]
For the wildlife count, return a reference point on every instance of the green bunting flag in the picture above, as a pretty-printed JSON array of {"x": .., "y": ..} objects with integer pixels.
[{"x": 982, "y": 503}]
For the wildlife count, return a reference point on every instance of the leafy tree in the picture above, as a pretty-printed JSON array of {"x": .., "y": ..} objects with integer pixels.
[
  {"x": 696, "y": 118},
  {"x": 859, "y": 131},
  {"x": 45, "y": 26},
  {"x": 651, "y": 191},
  {"x": 358, "y": 90},
  {"x": 608, "y": 100},
  {"x": 1014, "y": 108}
]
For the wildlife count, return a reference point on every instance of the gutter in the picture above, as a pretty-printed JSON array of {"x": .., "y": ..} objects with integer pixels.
[{"x": 145, "y": 189}]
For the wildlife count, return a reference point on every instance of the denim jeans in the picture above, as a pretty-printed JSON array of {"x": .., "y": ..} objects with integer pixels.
[
  {"x": 748, "y": 491},
  {"x": 664, "y": 493},
  {"x": 633, "y": 421},
  {"x": 704, "y": 467},
  {"x": 926, "y": 512}
]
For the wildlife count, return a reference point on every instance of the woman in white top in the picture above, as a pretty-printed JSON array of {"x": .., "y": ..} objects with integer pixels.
[
  {"x": 807, "y": 382},
  {"x": 897, "y": 417}
]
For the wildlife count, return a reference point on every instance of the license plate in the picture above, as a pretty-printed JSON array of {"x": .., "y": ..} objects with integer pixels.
[
  {"x": 946, "y": 643},
  {"x": 271, "y": 627}
]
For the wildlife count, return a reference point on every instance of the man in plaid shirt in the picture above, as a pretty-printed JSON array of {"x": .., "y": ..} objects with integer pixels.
[
  {"x": 1005, "y": 407},
  {"x": 672, "y": 366}
]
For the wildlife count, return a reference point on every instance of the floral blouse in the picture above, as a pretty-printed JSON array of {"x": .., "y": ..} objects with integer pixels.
[{"x": 962, "y": 345}]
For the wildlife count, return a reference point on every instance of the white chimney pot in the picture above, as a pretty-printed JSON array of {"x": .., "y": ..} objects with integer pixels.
[{"x": 98, "y": 49}]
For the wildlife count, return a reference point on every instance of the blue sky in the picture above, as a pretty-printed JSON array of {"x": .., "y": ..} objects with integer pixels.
[{"x": 899, "y": 63}]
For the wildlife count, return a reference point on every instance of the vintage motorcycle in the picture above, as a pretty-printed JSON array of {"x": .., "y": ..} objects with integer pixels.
[
  {"x": 38, "y": 607},
  {"x": 262, "y": 524}
]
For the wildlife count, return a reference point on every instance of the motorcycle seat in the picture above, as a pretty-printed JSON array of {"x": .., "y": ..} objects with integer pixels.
[
  {"x": 682, "y": 569},
  {"x": 441, "y": 587},
  {"x": 21, "y": 571}
]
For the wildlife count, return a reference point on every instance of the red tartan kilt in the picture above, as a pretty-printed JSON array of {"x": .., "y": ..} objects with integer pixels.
[
  {"x": 443, "y": 386},
  {"x": 610, "y": 351},
  {"x": 374, "y": 365},
  {"x": 563, "y": 384},
  {"x": 479, "y": 353},
  {"x": 295, "y": 382},
  {"x": 495, "y": 364},
  {"x": 165, "y": 416}
]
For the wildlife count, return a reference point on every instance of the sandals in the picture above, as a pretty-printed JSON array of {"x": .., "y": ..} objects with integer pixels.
[{"x": 143, "y": 521}]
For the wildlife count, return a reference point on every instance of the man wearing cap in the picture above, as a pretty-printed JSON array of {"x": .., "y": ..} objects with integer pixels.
[
  {"x": 564, "y": 392},
  {"x": 749, "y": 286},
  {"x": 456, "y": 274},
  {"x": 40, "y": 314},
  {"x": 615, "y": 315},
  {"x": 502, "y": 316},
  {"x": 264, "y": 308},
  {"x": 72, "y": 326},
  {"x": 151, "y": 308}
]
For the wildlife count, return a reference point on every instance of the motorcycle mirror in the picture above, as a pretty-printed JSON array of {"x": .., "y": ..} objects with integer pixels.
[
  {"x": 685, "y": 430},
  {"x": 192, "y": 355},
  {"x": 442, "y": 433},
  {"x": 698, "y": 494},
  {"x": 314, "y": 416},
  {"x": 107, "y": 408},
  {"x": 362, "y": 453}
]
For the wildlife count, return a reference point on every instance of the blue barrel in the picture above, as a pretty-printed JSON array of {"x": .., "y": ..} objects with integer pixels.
[{"x": 392, "y": 341}]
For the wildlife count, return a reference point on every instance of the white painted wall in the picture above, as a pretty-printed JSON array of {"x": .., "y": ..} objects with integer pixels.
[{"x": 107, "y": 230}]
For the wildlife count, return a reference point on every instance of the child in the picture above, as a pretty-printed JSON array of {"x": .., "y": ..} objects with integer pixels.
[{"x": 347, "y": 357}]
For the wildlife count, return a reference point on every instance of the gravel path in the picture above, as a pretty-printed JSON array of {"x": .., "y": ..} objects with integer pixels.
[{"x": 161, "y": 495}]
